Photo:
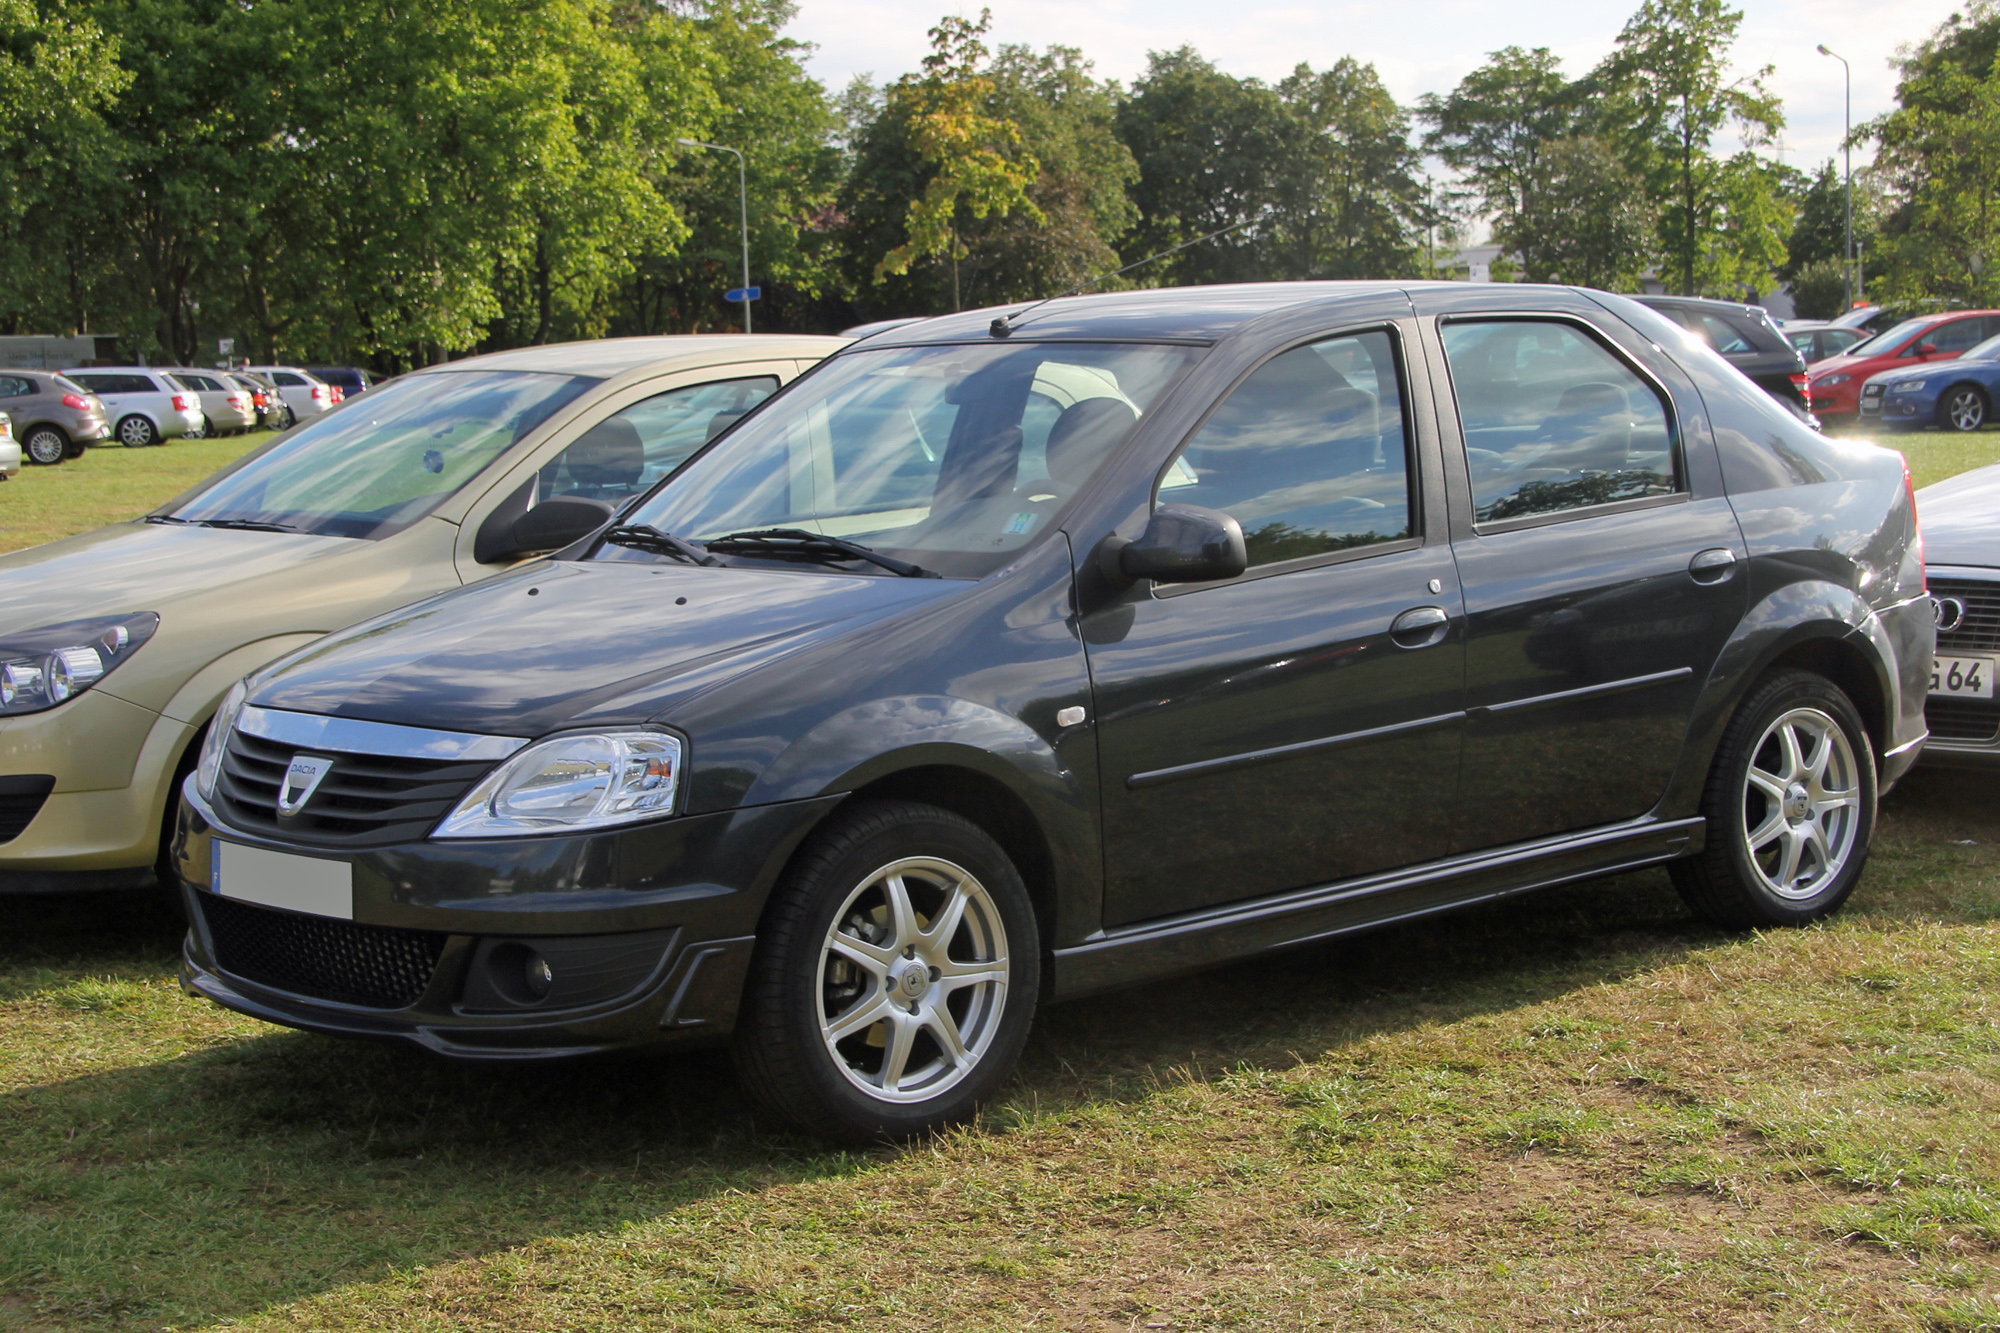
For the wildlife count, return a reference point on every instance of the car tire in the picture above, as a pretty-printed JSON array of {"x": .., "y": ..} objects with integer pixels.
[
  {"x": 203, "y": 430},
  {"x": 46, "y": 446},
  {"x": 1963, "y": 407},
  {"x": 1790, "y": 805},
  {"x": 857, "y": 1022},
  {"x": 291, "y": 419},
  {"x": 137, "y": 432}
]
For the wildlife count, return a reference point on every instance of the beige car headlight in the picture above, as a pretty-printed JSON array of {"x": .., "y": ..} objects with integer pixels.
[{"x": 41, "y": 668}]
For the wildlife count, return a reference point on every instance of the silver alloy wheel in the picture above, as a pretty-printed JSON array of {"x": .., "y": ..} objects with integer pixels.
[
  {"x": 136, "y": 432},
  {"x": 1801, "y": 803},
  {"x": 913, "y": 980},
  {"x": 46, "y": 445},
  {"x": 1967, "y": 409}
]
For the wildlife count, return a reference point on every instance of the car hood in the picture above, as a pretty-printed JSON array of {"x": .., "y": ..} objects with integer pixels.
[
  {"x": 1916, "y": 372},
  {"x": 555, "y": 644},
  {"x": 1961, "y": 519},
  {"x": 139, "y": 566},
  {"x": 1833, "y": 363}
]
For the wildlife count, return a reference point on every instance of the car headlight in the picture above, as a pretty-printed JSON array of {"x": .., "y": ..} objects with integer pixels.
[
  {"x": 40, "y": 668},
  {"x": 1831, "y": 380},
  {"x": 210, "y": 765},
  {"x": 585, "y": 780},
  {"x": 1906, "y": 386}
]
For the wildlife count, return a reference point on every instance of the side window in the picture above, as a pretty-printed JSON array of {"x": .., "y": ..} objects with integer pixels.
[
  {"x": 1309, "y": 454},
  {"x": 1960, "y": 335},
  {"x": 1721, "y": 334},
  {"x": 14, "y": 387},
  {"x": 1553, "y": 421},
  {"x": 287, "y": 380},
  {"x": 624, "y": 454}
]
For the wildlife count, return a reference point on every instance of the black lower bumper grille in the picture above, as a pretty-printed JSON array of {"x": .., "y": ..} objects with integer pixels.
[
  {"x": 1962, "y": 719},
  {"x": 365, "y": 800},
  {"x": 382, "y": 967},
  {"x": 21, "y": 798}
]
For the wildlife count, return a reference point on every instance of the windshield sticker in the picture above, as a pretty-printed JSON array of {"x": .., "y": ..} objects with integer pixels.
[{"x": 1019, "y": 524}]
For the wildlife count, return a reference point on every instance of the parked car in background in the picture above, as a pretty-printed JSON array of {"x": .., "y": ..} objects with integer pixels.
[
  {"x": 350, "y": 380},
  {"x": 10, "y": 449},
  {"x": 1746, "y": 337},
  {"x": 1837, "y": 381},
  {"x": 304, "y": 394},
  {"x": 54, "y": 418},
  {"x": 1962, "y": 551},
  {"x": 448, "y": 475},
  {"x": 144, "y": 403},
  {"x": 1870, "y": 319},
  {"x": 226, "y": 409},
  {"x": 264, "y": 397},
  {"x": 1015, "y": 655},
  {"x": 1955, "y": 395},
  {"x": 1817, "y": 340}
]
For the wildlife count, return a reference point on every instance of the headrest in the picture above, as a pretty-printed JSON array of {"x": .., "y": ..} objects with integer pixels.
[
  {"x": 1593, "y": 399},
  {"x": 1083, "y": 435},
  {"x": 608, "y": 454}
]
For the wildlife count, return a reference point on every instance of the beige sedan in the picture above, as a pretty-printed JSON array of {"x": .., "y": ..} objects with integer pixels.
[{"x": 116, "y": 645}]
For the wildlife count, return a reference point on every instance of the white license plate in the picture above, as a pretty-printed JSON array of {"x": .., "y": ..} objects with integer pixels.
[
  {"x": 1963, "y": 677},
  {"x": 279, "y": 879}
]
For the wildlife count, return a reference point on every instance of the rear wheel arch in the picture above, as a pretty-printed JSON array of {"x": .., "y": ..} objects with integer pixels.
[{"x": 1837, "y": 658}]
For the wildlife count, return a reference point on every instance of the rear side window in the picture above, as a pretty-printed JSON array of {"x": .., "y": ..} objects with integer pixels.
[
  {"x": 1309, "y": 454},
  {"x": 1723, "y": 336},
  {"x": 1959, "y": 335},
  {"x": 624, "y": 454},
  {"x": 1553, "y": 421},
  {"x": 287, "y": 380},
  {"x": 13, "y": 386}
]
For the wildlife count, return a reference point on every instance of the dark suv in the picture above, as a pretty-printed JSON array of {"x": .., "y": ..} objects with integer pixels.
[
  {"x": 1748, "y": 338},
  {"x": 1007, "y": 657}
]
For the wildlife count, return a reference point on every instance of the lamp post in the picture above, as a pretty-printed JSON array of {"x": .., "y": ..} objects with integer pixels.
[
  {"x": 1847, "y": 153},
  {"x": 743, "y": 193}
]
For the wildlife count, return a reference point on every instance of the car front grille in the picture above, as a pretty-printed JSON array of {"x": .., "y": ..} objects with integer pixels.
[
  {"x": 1980, "y": 631},
  {"x": 379, "y": 967},
  {"x": 1962, "y": 719},
  {"x": 21, "y": 799},
  {"x": 365, "y": 800}
]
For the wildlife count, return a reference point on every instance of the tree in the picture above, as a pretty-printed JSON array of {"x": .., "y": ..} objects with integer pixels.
[
  {"x": 1586, "y": 219},
  {"x": 1665, "y": 98},
  {"x": 1494, "y": 128},
  {"x": 1349, "y": 203}
]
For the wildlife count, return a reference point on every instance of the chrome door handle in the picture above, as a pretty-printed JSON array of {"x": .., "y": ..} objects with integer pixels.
[
  {"x": 1714, "y": 565},
  {"x": 1419, "y": 627}
]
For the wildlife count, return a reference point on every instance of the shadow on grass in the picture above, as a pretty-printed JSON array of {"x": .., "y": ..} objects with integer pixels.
[{"x": 280, "y": 1164}]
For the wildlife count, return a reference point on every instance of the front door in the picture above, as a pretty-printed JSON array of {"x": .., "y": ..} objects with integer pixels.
[
  {"x": 1600, "y": 584},
  {"x": 1300, "y": 723}
]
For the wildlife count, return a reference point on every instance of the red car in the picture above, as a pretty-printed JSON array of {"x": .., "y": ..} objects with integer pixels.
[{"x": 1837, "y": 381}]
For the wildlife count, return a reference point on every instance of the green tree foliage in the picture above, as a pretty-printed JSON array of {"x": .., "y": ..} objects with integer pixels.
[
  {"x": 1940, "y": 156},
  {"x": 1494, "y": 128},
  {"x": 1819, "y": 229},
  {"x": 1586, "y": 219},
  {"x": 1665, "y": 96}
]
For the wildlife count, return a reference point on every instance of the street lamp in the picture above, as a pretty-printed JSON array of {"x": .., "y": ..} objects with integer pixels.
[
  {"x": 743, "y": 190},
  {"x": 1847, "y": 152}
]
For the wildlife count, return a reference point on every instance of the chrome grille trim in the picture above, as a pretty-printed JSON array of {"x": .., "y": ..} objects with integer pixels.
[{"x": 315, "y": 731}]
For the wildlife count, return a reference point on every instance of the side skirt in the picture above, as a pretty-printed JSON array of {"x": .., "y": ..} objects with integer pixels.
[{"x": 1147, "y": 950}]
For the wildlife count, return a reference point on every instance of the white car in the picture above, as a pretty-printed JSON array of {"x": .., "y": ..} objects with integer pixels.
[
  {"x": 305, "y": 394},
  {"x": 10, "y": 449},
  {"x": 146, "y": 405}
]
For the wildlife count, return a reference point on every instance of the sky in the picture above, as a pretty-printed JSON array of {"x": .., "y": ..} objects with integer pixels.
[{"x": 1418, "y": 46}]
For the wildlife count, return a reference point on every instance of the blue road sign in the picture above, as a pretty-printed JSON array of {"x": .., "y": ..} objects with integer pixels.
[{"x": 743, "y": 294}]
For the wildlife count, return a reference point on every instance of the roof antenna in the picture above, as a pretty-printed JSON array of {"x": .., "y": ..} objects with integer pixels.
[{"x": 1004, "y": 325}]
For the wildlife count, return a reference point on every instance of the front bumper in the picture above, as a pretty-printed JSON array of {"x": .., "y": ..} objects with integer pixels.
[{"x": 648, "y": 932}]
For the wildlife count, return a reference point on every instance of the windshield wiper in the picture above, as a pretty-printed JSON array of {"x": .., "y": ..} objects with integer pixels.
[
  {"x": 646, "y": 537},
  {"x": 797, "y": 542},
  {"x": 234, "y": 524}
]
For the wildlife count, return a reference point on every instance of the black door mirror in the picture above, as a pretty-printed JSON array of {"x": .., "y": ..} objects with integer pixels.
[
  {"x": 513, "y": 529},
  {"x": 1181, "y": 544}
]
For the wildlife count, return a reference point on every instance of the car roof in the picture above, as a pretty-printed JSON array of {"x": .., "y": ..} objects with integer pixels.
[
  {"x": 1701, "y": 303},
  {"x": 1155, "y": 314},
  {"x": 120, "y": 370},
  {"x": 608, "y": 357}
]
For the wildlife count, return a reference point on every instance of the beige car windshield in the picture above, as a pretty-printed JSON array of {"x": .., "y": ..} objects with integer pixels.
[{"x": 381, "y": 464}]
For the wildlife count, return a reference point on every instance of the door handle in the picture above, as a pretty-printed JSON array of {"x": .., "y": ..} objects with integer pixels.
[
  {"x": 1715, "y": 565},
  {"x": 1419, "y": 627}
]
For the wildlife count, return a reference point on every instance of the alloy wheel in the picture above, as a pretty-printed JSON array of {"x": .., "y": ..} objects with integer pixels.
[
  {"x": 45, "y": 445},
  {"x": 913, "y": 980},
  {"x": 1965, "y": 409},
  {"x": 136, "y": 433},
  {"x": 1801, "y": 803}
]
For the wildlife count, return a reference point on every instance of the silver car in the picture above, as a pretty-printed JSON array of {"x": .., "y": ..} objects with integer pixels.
[
  {"x": 10, "y": 452},
  {"x": 54, "y": 419},
  {"x": 143, "y": 402},
  {"x": 305, "y": 394},
  {"x": 225, "y": 408}
]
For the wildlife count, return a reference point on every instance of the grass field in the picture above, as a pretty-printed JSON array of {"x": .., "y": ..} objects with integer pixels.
[
  {"x": 1576, "y": 1110},
  {"x": 107, "y": 484}
]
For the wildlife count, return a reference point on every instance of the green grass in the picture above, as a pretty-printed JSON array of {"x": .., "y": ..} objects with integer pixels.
[
  {"x": 1937, "y": 454},
  {"x": 107, "y": 485}
]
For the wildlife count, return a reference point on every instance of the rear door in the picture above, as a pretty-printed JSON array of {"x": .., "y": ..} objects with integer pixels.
[
  {"x": 1599, "y": 557},
  {"x": 1300, "y": 723}
]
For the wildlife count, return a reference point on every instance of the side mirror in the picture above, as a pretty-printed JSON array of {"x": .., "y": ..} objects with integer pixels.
[
  {"x": 513, "y": 529},
  {"x": 1181, "y": 544},
  {"x": 1926, "y": 349}
]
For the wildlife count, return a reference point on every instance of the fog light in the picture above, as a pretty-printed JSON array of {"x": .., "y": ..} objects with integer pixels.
[{"x": 538, "y": 975}]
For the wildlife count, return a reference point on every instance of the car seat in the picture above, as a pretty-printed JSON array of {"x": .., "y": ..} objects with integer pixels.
[{"x": 607, "y": 461}]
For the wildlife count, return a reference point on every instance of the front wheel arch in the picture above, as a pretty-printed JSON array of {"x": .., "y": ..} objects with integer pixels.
[{"x": 1944, "y": 413}]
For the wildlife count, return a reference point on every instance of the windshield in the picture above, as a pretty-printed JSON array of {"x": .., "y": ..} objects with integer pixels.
[
  {"x": 952, "y": 457},
  {"x": 1889, "y": 341},
  {"x": 382, "y": 464}
]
